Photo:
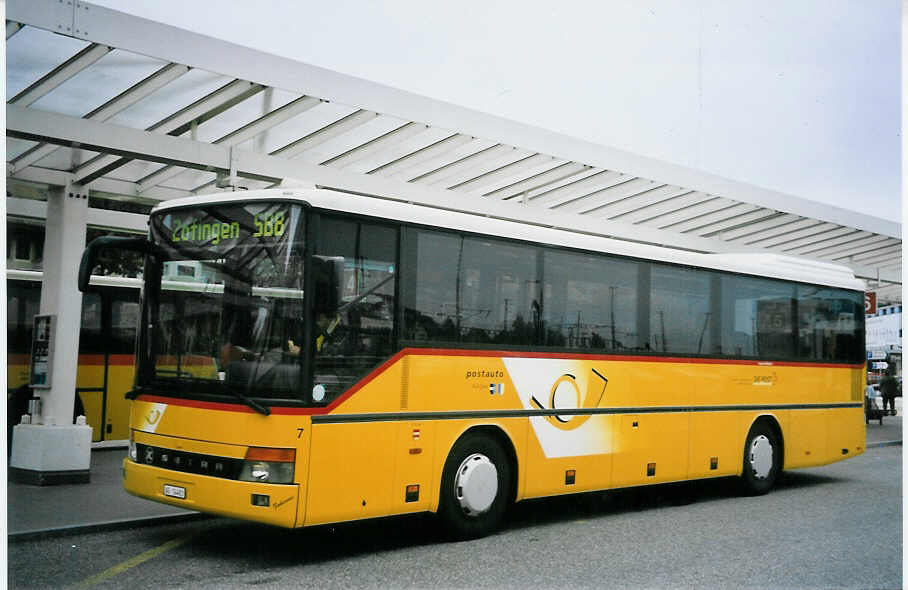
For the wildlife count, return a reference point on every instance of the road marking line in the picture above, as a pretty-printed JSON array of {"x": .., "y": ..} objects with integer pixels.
[{"x": 129, "y": 563}]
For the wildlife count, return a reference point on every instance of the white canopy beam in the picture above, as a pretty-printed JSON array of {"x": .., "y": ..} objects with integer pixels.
[
  {"x": 876, "y": 256},
  {"x": 712, "y": 227},
  {"x": 613, "y": 201},
  {"x": 773, "y": 226},
  {"x": 421, "y": 155},
  {"x": 726, "y": 209},
  {"x": 559, "y": 194},
  {"x": 63, "y": 130},
  {"x": 685, "y": 200},
  {"x": 437, "y": 156},
  {"x": 562, "y": 173},
  {"x": 822, "y": 233},
  {"x": 238, "y": 136},
  {"x": 202, "y": 110},
  {"x": 372, "y": 146},
  {"x": 116, "y": 105},
  {"x": 328, "y": 132},
  {"x": 859, "y": 244},
  {"x": 488, "y": 179}
]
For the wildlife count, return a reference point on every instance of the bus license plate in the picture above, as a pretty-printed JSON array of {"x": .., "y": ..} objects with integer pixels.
[{"x": 175, "y": 492}]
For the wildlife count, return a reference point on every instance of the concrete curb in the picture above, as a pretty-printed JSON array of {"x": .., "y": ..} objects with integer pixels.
[{"x": 110, "y": 525}]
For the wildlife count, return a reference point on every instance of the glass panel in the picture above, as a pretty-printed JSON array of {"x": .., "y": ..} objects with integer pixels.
[
  {"x": 22, "y": 304},
  {"x": 178, "y": 94},
  {"x": 24, "y": 246},
  {"x": 90, "y": 338},
  {"x": 17, "y": 147},
  {"x": 472, "y": 290},
  {"x": 124, "y": 320},
  {"x": 94, "y": 86},
  {"x": 32, "y": 53},
  {"x": 243, "y": 113},
  {"x": 367, "y": 131},
  {"x": 116, "y": 262},
  {"x": 590, "y": 302},
  {"x": 230, "y": 309},
  {"x": 499, "y": 301},
  {"x": 679, "y": 310},
  {"x": 354, "y": 333},
  {"x": 431, "y": 313},
  {"x": 829, "y": 324},
  {"x": 757, "y": 318}
]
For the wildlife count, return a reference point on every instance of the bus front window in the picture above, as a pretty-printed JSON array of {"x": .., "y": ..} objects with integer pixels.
[{"x": 225, "y": 303}]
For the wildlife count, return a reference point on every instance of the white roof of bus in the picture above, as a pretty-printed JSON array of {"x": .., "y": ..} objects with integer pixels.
[{"x": 764, "y": 265}]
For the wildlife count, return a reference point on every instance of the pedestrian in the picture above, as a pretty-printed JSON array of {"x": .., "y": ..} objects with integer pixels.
[{"x": 889, "y": 388}]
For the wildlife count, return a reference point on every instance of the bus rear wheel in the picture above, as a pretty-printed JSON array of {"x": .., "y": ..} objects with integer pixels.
[
  {"x": 475, "y": 487},
  {"x": 762, "y": 460}
]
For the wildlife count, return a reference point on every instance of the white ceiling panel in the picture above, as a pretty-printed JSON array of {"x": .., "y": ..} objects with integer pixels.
[
  {"x": 32, "y": 53},
  {"x": 112, "y": 74}
]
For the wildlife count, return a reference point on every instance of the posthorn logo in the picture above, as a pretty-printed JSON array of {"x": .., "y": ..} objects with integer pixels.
[{"x": 565, "y": 395}]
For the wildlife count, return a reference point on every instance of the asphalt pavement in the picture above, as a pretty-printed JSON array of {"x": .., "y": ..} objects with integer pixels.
[
  {"x": 33, "y": 510},
  {"x": 36, "y": 511}
]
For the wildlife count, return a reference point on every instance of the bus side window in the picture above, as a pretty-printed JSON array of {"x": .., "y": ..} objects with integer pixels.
[
  {"x": 590, "y": 301},
  {"x": 827, "y": 324},
  {"x": 757, "y": 317},
  {"x": 680, "y": 311},
  {"x": 22, "y": 302},
  {"x": 124, "y": 320},
  {"x": 91, "y": 340},
  {"x": 357, "y": 337}
]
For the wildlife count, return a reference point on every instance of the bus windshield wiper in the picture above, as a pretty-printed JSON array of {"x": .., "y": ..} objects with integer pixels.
[{"x": 264, "y": 410}]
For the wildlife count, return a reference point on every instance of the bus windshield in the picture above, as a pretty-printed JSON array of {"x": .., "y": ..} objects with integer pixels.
[{"x": 224, "y": 304}]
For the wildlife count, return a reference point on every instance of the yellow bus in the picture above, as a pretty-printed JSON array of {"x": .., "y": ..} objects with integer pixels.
[
  {"x": 107, "y": 337},
  {"x": 337, "y": 357}
]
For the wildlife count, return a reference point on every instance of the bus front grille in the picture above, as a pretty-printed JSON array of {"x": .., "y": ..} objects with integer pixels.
[{"x": 211, "y": 465}]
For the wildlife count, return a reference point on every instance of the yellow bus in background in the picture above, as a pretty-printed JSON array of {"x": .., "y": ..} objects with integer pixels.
[
  {"x": 107, "y": 337},
  {"x": 337, "y": 357}
]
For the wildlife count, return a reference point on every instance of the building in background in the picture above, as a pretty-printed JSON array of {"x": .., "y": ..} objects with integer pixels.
[{"x": 884, "y": 339}]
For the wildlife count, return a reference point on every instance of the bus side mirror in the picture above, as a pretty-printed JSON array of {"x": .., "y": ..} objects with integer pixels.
[
  {"x": 329, "y": 282},
  {"x": 90, "y": 255}
]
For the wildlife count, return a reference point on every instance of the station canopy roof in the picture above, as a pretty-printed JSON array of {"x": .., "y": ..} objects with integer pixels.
[{"x": 141, "y": 111}]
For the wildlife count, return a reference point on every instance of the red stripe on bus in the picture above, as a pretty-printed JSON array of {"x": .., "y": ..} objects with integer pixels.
[
  {"x": 89, "y": 360},
  {"x": 279, "y": 410},
  {"x": 295, "y": 411},
  {"x": 189, "y": 360},
  {"x": 121, "y": 360}
]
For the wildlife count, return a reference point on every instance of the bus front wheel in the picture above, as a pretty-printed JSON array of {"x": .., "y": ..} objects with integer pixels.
[
  {"x": 475, "y": 487},
  {"x": 762, "y": 459}
]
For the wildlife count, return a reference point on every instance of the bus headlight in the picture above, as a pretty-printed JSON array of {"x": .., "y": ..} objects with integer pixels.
[{"x": 268, "y": 465}]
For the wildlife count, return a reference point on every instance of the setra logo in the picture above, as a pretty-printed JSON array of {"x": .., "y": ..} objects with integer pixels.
[
  {"x": 766, "y": 380},
  {"x": 565, "y": 395}
]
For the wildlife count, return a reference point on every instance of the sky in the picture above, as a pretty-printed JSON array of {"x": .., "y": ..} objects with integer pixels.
[{"x": 800, "y": 97}]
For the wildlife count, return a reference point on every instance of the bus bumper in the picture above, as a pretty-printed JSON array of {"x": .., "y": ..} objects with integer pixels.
[{"x": 267, "y": 503}]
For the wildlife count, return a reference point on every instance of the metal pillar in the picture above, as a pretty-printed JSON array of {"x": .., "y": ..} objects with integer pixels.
[{"x": 51, "y": 449}]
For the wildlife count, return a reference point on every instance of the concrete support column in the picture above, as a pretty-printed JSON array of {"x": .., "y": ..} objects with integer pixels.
[{"x": 52, "y": 449}]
